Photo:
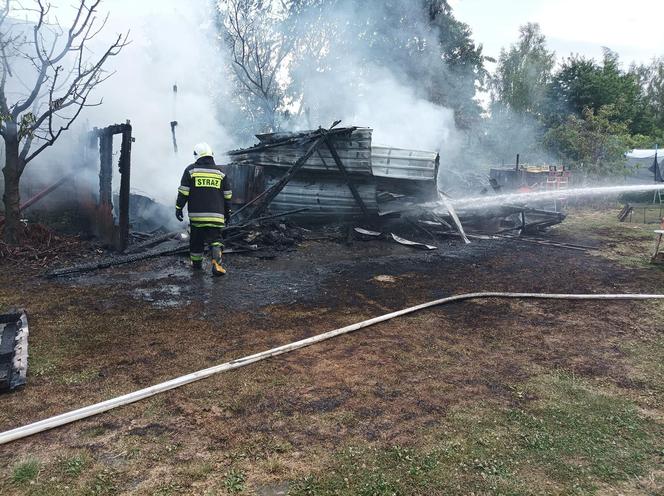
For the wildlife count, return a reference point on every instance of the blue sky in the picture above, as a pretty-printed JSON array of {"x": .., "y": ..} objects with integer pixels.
[{"x": 634, "y": 29}]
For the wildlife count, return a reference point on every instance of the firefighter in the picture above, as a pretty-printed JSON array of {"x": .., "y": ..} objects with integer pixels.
[{"x": 206, "y": 190}]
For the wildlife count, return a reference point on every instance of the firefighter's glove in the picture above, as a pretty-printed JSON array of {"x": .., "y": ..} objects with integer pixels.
[{"x": 178, "y": 214}]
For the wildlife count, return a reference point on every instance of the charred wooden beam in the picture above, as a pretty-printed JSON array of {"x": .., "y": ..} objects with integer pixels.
[
  {"x": 168, "y": 248},
  {"x": 124, "y": 166},
  {"x": 174, "y": 124},
  {"x": 105, "y": 202},
  {"x": 105, "y": 169},
  {"x": 42, "y": 194},
  {"x": 106, "y": 228},
  {"x": 344, "y": 172},
  {"x": 271, "y": 193}
]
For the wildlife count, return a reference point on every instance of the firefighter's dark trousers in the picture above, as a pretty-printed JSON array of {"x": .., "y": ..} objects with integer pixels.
[{"x": 202, "y": 235}]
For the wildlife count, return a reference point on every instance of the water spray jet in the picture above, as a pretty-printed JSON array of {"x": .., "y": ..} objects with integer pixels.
[{"x": 483, "y": 202}]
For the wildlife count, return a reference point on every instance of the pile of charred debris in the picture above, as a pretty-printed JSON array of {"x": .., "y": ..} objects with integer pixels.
[{"x": 334, "y": 184}]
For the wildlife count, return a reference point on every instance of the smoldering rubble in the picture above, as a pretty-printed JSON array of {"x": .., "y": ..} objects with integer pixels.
[{"x": 291, "y": 186}]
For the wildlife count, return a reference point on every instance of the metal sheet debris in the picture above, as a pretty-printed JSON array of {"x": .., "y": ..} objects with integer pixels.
[
  {"x": 13, "y": 350},
  {"x": 399, "y": 163},
  {"x": 366, "y": 232},
  {"x": 413, "y": 244}
]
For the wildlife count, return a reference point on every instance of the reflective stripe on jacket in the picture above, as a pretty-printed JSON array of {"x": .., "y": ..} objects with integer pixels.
[{"x": 207, "y": 192}]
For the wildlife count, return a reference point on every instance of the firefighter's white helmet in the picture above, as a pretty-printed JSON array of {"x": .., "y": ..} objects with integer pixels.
[{"x": 202, "y": 150}]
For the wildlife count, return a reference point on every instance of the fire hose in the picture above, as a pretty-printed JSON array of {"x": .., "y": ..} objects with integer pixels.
[{"x": 88, "y": 411}]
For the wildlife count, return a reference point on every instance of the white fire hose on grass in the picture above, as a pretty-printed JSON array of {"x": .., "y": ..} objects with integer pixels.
[{"x": 88, "y": 411}]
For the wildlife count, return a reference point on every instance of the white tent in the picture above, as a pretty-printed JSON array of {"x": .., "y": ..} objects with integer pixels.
[
  {"x": 639, "y": 161},
  {"x": 640, "y": 154}
]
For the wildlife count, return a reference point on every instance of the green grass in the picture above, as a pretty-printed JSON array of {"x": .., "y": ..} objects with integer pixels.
[
  {"x": 80, "y": 377},
  {"x": 102, "y": 483},
  {"x": 41, "y": 366},
  {"x": 647, "y": 361},
  {"x": 26, "y": 471},
  {"x": 167, "y": 488},
  {"x": 94, "y": 431},
  {"x": 67, "y": 475},
  {"x": 234, "y": 481},
  {"x": 603, "y": 224},
  {"x": 629, "y": 244},
  {"x": 73, "y": 466},
  {"x": 571, "y": 440}
]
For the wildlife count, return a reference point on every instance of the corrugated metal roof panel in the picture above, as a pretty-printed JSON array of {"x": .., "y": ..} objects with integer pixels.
[
  {"x": 325, "y": 197},
  {"x": 355, "y": 161},
  {"x": 354, "y": 149},
  {"x": 399, "y": 163}
]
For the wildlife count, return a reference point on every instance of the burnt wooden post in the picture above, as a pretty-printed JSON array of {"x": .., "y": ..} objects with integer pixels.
[
  {"x": 105, "y": 203},
  {"x": 105, "y": 169},
  {"x": 175, "y": 141},
  {"x": 118, "y": 237},
  {"x": 125, "y": 174},
  {"x": 344, "y": 172}
]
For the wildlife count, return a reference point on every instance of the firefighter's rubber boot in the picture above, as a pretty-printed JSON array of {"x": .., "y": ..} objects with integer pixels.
[
  {"x": 197, "y": 264},
  {"x": 217, "y": 269}
]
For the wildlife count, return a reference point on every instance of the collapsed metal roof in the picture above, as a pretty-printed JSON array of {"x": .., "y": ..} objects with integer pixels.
[
  {"x": 324, "y": 198},
  {"x": 282, "y": 150},
  {"x": 339, "y": 171}
]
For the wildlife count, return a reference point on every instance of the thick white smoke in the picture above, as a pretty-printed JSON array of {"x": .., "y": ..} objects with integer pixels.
[
  {"x": 395, "y": 112},
  {"x": 176, "y": 42},
  {"x": 351, "y": 79},
  {"x": 401, "y": 119},
  {"x": 172, "y": 43}
]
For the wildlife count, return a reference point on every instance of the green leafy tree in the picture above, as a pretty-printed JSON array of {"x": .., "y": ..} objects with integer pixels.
[
  {"x": 650, "y": 78},
  {"x": 259, "y": 40},
  {"x": 518, "y": 92},
  {"x": 426, "y": 45},
  {"x": 524, "y": 73},
  {"x": 593, "y": 144},
  {"x": 454, "y": 85},
  {"x": 582, "y": 83}
]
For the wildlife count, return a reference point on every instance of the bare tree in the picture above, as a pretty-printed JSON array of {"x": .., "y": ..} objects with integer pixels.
[
  {"x": 62, "y": 75},
  {"x": 259, "y": 43}
]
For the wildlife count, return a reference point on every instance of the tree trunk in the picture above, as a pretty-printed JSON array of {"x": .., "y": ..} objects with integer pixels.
[{"x": 11, "y": 197}]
